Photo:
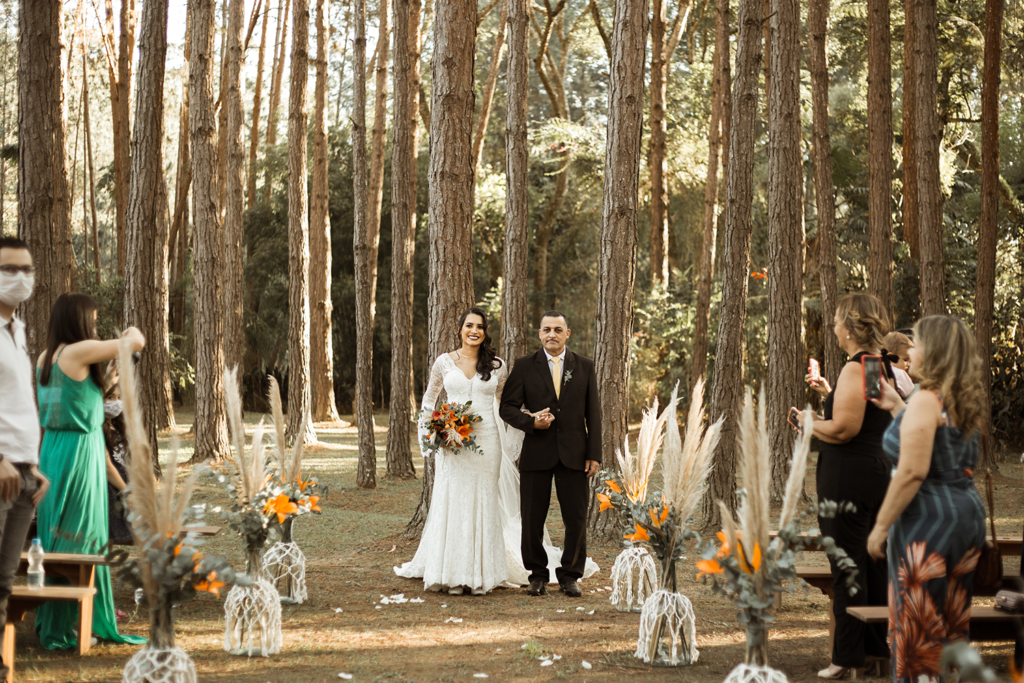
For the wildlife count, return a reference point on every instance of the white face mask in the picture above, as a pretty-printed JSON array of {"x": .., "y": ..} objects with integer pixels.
[
  {"x": 16, "y": 288},
  {"x": 112, "y": 409}
]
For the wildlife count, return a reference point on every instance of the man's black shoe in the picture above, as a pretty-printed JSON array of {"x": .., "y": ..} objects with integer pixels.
[
  {"x": 571, "y": 588},
  {"x": 538, "y": 587}
]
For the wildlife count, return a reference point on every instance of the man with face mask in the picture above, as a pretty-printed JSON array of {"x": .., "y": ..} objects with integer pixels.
[{"x": 22, "y": 486}]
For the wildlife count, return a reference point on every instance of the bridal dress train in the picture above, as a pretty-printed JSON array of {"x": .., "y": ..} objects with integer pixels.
[{"x": 473, "y": 530}]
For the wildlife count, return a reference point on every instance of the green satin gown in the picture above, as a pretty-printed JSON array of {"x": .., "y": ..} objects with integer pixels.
[{"x": 72, "y": 517}]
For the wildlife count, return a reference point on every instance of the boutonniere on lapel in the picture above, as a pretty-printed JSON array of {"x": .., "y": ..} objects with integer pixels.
[{"x": 566, "y": 377}]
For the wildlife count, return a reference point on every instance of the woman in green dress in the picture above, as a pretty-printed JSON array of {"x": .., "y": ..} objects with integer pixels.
[{"x": 73, "y": 517}]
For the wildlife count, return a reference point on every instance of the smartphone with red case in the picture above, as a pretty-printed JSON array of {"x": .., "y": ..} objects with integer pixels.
[
  {"x": 813, "y": 370},
  {"x": 793, "y": 418},
  {"x": 871, "y": 372}
]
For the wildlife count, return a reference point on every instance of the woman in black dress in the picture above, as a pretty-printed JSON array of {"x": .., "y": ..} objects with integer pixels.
[
  {"x": 852, "y": 467},
  {"x": 117, "y": 462}
]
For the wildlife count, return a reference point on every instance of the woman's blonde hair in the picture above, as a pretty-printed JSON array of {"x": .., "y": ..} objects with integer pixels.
[
  {"x": 865, "y": 318},
  {"x": 950, "y": 365}
]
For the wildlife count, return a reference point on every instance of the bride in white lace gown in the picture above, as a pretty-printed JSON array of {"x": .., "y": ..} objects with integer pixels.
[{"x": 472, "y": 535}]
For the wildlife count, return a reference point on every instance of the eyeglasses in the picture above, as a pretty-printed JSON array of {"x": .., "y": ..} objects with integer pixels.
[{"x": 8, "y": 269}]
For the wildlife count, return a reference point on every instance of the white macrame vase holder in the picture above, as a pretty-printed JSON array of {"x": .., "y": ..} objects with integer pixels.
[
  {"x": 285, "y": 565},
  {"x": 252, "y": 619},
  {"x": 159, "y": 665},
  {"x": 676, "y": 645},
  {"x": 753, "y": 673},
  {"x": 634, "y": 579}
]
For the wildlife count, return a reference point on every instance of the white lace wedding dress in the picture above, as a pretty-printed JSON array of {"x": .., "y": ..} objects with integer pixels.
[{"x": 473, "y": 530}]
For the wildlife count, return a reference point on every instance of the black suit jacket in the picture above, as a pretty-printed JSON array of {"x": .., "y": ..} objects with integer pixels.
[{"x": 575, "y": 435}]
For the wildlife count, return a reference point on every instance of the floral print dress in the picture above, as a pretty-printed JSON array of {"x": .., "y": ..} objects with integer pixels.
[{"x": 933, "y": 550}]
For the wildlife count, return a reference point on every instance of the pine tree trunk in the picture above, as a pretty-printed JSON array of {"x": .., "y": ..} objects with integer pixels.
[
  {"x": 989, "y": 219},
  {"x": 716, "y": 143},
  {"x": 211, "y": 427},
  {"x": 375, "y": 183},
  {"x": 275, "y": 92},
  {"x": 145, "y": 296},
  {"x": 910, "y": 189},
  {"x": 880, "y": 155},
  {"x": 299, "y": 424},
  {"x": 929, "y": 138},
  {"x": 44, "y": 210},
  {"x": 727, "y": 390},
  {"x": 824, "y": 193},
  {"x": 364, "y": 246},
  {"x": 321, "y": 358},
  {"x": 92, "y": 172},
  {"x": 785, "y": 239},
  {"x": 405, "y": 142},
  {"x": 234, "y": 189},
  {"x": 617, "y": 265},
  {"x": 659, "y": 167},
  {"x": 257, "y": 100},
  {"x": 179, "y": 222},
  {"x": 487, "y": 101},
  {"x": 222, "y": 135},
  {"x": 450, "y": 178},
  {"x": 514, "y": 298},
  {"x": 120, "y": 107}
]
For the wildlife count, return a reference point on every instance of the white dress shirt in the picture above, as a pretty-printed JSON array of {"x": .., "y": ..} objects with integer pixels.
[
  {"x": 551, "y": 365},
  {"x": 19, "y": 419}
]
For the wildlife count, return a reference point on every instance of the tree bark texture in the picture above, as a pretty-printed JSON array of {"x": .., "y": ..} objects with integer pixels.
[
  {"x": 514, "y": 301},
  {"x": 824, "y": 192},
  {"x": 299, "y": 426},
  {"x": 785, "y": 239},
  {"x": 404, "y": 147},
  {"x": 880, "y": 265},
  {"x": 120, "y": 107},
  {"x": 989, "y": 219},
  {"x": 365, "y": 239},
  {"x": 180, "y": 222},
  {"x": 450, "y": 177},
  {"x": 145, "y": 296},
  {"x": 44, "y": 210},
  {"x": 910, "y": 189},
  {"x": 929, "y": 136},
  {"x": 211, "y": 425},
  {"x": 617, "y": 265},
  {"x": 716, "y": 141},
  {"x": 92, "y": 170},
  {"x": 275, "y": 89},
  {"x": 234, "y": 190},
  {"x": 321, "y": 353},
  {"x": 487, "y": 101},
  {"x": 659, "y": 166},
  {"x": 257, "y": 100},
  {"x": 727, "y": 390}
]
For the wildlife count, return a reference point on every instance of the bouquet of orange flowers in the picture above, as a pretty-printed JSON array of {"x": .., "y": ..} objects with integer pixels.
[{"x": 449, "y": 427}]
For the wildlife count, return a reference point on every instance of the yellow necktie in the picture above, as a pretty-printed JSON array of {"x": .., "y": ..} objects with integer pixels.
[{"x": 556, "y": 376}]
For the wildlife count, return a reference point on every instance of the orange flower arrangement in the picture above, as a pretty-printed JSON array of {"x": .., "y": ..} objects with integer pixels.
[
  {"x": 450, "y": 427},
  {"x": 282, "y": 506}
]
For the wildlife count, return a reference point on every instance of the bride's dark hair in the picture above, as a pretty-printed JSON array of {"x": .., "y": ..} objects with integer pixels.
[{"x": 485, "y": 360}]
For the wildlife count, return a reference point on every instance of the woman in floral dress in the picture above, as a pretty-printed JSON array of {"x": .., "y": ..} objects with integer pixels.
[{"x": 932, "y": 515}]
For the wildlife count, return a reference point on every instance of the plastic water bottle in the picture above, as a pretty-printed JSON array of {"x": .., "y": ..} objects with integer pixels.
[{"x": 36, "y": 573}]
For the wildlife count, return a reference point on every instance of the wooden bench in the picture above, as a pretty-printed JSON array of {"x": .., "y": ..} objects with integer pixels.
[
  {"x": 987, "y": 623},
  {"x": 1009, "y": 546},
  {"x": 79, "y": 570},
  {"x": 196, "y": 529},
  {"x": 24, "y": 599}
]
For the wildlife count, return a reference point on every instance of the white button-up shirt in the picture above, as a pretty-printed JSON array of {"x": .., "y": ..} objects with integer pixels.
[
  {"x": 561, "y": 364},
  {"x": 19, "y": 418}
]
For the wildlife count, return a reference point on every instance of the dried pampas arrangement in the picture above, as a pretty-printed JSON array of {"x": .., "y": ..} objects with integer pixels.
[{"x": 168, "y": 567}]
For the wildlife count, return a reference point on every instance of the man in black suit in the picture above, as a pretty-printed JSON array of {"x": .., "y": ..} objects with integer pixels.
[{"x": 563, "y": 442}]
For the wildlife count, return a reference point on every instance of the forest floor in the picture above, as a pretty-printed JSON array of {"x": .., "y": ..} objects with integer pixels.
[{"x": 342, "y": 628}]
